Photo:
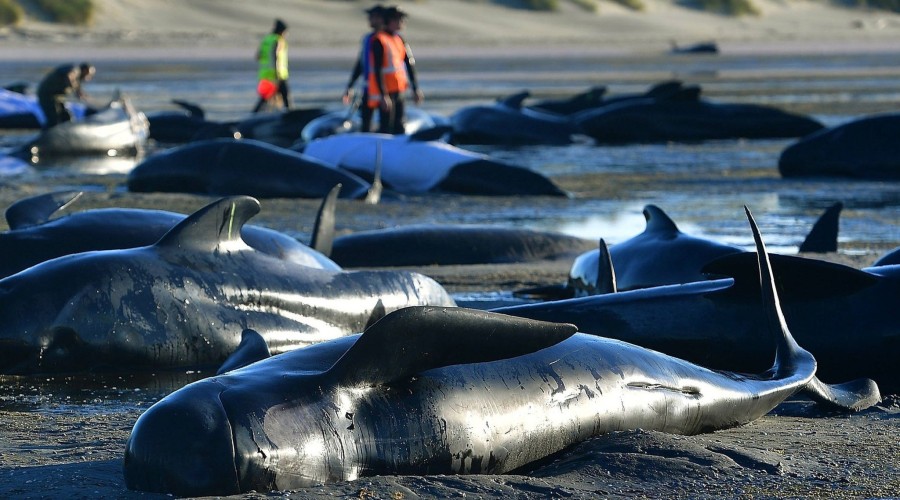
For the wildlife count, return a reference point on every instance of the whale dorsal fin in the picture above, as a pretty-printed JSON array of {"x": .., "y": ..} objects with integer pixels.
[
  {"x": 514, "y": 101},
  {"x": 253, "y": 348},
  {"x": 414, "y": 339},
  {"x": 216, "y": 226},
  {"x": 36, "y": 210},
  {"x": 323, "y": 230},
  {"x": 658, "y": 221},
  {"x": 193, "y": 110},
  {"x": 823, "y": 236},
  {"x": 664, "y": 90},
  {"x": 606, "y": 273}
]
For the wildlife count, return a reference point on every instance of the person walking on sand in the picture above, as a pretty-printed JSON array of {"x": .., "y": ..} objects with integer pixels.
[
  {"x": 392, "y": 72},
  {"x": 272, "y": 57},
  {"x": 361, "y": 68},
  {"x": 56, "y": 85}
]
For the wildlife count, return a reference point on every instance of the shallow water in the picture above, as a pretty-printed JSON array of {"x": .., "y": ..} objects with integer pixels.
[{"x": 702, "y": 186}]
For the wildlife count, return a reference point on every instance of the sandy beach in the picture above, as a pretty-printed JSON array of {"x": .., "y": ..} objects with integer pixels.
[
  {"x": 798, "y": 451},
  {"x": 223, "y": 28}
]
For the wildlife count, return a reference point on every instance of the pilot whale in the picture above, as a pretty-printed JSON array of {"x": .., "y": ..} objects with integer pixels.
[
  {"x": 844, "y": 316},
  {"x": 410, "y": 165},
  {"x": 431, "y": 390},
  {"x": 184, "y": 301},
  {"x": 225, "y": 167},
  {"x": 34, "y": 237},
  {"x": 664, "y": 255},
  {"x": 446, "y": 244}
]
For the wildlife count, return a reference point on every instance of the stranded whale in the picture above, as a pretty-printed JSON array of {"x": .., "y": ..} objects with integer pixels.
[
  {"x": 225, "y": 167},
  {"x": 34, "y": 237},
  {"x": 184, "y": 301},
  {"x": 439, "y": 391},
  {"x": 410, "y": 165}
]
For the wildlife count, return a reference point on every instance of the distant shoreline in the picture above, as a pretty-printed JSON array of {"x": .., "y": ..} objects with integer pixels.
[{"x": 228, "y": 29}]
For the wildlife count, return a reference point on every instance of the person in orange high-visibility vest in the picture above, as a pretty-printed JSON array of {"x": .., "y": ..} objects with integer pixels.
[
  {"x": 272, "y": 57},
  {"x": 392, "y": 71},
  {"x": 361, "y": 68}
]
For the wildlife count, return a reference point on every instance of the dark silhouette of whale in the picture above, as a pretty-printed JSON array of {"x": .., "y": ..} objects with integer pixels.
[
  {"x": 866, "y": 148},
  {"x": 663, "y": 255},
  {"x": 889, "y": 259},
  {"x": 843, "y": 315},
  {"x": 440, "y": 391},
  {"x": 184, "y": 301},
  {"x": 224, "y": 167},
  {"x": 34, "y": 237},
  {"x": 408, "y": 164},
  {"x": 684, "y": 117},
  {"x": 444, "y": 244},
  {"x": 181, "y": 125},
  {"x": 507, "y": 122},
  {"x": 342, "y": 122}
]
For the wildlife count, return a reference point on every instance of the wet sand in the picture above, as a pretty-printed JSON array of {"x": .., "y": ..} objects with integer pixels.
[{"x": 64, "y": 438}]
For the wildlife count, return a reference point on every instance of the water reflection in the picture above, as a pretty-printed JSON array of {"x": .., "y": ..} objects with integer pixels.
[{"x": 90, "y": 393}]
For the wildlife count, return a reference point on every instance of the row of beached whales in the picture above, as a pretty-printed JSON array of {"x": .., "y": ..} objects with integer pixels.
[
  {"x": 428, "y": 387},
  {"x": 667, "y": 112}
]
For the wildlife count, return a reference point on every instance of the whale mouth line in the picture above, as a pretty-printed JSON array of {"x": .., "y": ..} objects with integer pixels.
[{"x": 652, "y": 386}]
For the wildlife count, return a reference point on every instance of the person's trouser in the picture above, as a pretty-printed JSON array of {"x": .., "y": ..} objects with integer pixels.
[
  {"x": 54, "y": 110},
  {"x": 392, "y": 121}
]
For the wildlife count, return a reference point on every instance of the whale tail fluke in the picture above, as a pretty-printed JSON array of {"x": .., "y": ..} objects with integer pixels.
[
  {"x": 855, "y": 395},
  {"x": 792, "y": 359}
]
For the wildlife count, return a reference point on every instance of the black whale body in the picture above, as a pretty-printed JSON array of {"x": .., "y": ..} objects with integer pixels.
[
  {"x": 444, "y": 244},
  {"x": 34, "y": 237},
  {"x": 843, "y": 315},
  {"x": 507, "y": 122},
  {"x": 414, "y": 165},
  {"x": 225, "y": 167},
  {"x": 184, "y": 301},
  {"x": 866, "y": 148},
  {"x": 438, "y": 391},
  {"x": 685, "y": 117}
]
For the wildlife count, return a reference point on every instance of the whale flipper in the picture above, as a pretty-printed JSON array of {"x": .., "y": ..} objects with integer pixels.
[
  {"x": 213, "y": 226},
  {"x": 415, "y": 339},
  {"x": 253, "y": 347},
  {"x": 323, "y": 229},
  {"x": 38, "y": 209},
  {"x": 822, "y": 238}
]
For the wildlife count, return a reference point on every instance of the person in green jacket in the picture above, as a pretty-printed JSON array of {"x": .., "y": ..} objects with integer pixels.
[{"x": 272, "y": 57}]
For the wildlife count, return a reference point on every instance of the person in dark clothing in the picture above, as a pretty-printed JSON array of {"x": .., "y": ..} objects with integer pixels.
[
  {"x": 272, "y": 57},
  {"x": 56, "y": 85},
  {"x": 393, "y": 72},
  {"x": 361, "y": 68}
]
